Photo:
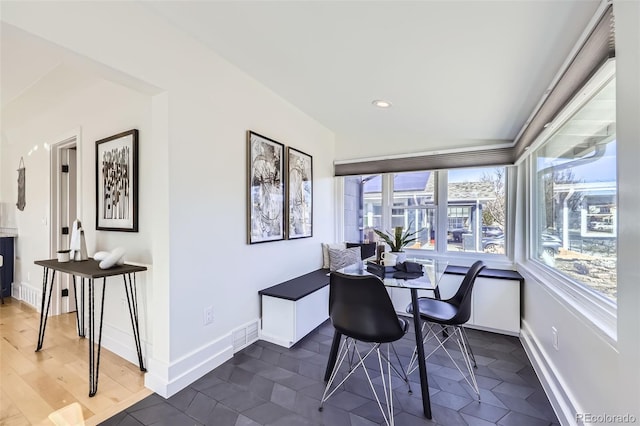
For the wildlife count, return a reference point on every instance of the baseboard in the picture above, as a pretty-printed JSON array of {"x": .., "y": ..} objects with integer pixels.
[
  {"x": 493, "y": 330},
  {"x": 275, "y": 340},
  {"x": 168, "y": 379},
  {"x": 123, "y": 344},
  {"x": 562, "y": 402}
]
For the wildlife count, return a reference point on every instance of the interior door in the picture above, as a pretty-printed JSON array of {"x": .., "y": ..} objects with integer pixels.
[{"x": 68, "y": 213}]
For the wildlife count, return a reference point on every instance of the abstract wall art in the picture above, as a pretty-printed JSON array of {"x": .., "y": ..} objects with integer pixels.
[
  {"x": 299, "y": 194},
  {"x": 117, "y": 182},
  {"x": 266, "y": 207}
]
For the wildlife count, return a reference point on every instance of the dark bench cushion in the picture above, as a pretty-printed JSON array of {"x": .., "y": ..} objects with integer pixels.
[
  {"x": 504, "y": 274},
  {"x": 298, "y": 287}
]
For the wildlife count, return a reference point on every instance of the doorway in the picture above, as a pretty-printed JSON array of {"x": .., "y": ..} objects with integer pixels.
[{"x": 65, "y": 202}]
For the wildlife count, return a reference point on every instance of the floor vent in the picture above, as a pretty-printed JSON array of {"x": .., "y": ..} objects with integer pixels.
[{"x": 244, "y": 336}]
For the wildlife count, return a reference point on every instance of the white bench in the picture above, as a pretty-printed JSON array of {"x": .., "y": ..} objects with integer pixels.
[{"x": 292, "y": 309}]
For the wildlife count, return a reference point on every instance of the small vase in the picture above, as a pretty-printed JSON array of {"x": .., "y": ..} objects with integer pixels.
[{"x": 400, "y": 256}]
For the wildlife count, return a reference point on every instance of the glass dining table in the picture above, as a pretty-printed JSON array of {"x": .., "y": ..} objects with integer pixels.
[{"x": 433, "y": 271}]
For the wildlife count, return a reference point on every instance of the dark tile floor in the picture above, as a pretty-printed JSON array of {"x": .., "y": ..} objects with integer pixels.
[{"x": 265, "y": 384}]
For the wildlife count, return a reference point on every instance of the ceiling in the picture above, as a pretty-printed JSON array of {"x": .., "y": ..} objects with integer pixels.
[{"x": 458, "y": 73}]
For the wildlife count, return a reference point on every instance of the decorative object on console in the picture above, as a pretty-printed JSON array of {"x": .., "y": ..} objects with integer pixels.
[
  {"x": 63, "y": 256},
  {"x": 117, "y": 182},
  {"x": 299, "y": 194},
  {"x": 265, "y": 191},
  {"x": 78, "y": 245},
  {"x": 339, "y": 259},
  {"x": 110, "y": 259}
]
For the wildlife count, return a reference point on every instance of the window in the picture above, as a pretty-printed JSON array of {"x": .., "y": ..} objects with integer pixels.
[
  {"x": 414, "y": 207},
  {"x": 476, "y": 210},
  {"x": 575, "y": 197}
]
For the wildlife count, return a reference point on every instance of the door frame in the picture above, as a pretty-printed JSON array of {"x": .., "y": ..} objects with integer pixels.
[{"x": 68, "y": 140}]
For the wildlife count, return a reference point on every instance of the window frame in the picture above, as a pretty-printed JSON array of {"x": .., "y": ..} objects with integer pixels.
[
  {"x": 504, "y": 260},
  {"x": 599, "y": 311}
]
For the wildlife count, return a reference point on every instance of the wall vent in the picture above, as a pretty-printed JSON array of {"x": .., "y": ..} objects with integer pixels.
[{"x": 245, "y": 335}]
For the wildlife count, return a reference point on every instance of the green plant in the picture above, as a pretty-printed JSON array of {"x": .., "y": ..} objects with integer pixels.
[{"x": 398, "y": 239}]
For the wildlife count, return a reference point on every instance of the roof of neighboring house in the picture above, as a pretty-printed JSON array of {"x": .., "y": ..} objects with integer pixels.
[{"x": 423, "y": 182}]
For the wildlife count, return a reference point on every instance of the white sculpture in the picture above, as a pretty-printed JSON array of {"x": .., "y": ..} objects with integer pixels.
[
  {"x": 109, "y": 259},
  {"x": 78, "y": 245}
]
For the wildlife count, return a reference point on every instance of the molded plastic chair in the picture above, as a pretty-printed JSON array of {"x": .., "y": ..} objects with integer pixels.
[
  {"x": 361, "y": 310},
  {"x": 448, "y": 316}
]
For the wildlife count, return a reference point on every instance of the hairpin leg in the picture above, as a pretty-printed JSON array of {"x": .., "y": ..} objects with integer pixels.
[
  {"x": 44, "y": 311},
  {"x": 132, "y": 302}
]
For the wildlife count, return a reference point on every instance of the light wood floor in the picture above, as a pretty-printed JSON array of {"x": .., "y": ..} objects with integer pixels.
[{"x": 34, "y": 384}]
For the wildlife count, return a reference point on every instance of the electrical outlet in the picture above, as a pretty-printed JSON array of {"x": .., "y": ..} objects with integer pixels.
[
  {"x": 208, "y": 315},
  {"x": 554, "y": 338}
]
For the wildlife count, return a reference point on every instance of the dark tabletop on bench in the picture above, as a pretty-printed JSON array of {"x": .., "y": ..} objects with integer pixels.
[{"x": 298, "y": 287}]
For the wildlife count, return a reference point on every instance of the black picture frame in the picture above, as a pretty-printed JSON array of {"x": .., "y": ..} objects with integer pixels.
[
  {"x": 265, "y": 189},
  {"x": 299, "y": 194},
  {"x": 117, "y": 182}
]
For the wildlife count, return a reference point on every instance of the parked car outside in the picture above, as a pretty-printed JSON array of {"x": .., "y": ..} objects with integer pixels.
[
  {"x": 487, "y": 231},
  {"x": 551, "y": 244}
]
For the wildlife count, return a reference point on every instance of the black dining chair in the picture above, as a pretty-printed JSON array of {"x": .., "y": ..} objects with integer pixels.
[
  {"x": 361, "y": 310},
  {"x": 444, "y": 319}
]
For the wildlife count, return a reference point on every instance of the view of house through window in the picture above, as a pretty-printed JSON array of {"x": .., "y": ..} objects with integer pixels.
[
  {"x": 414, "y": 208},
  {"x": 475, "y": 208},
  {"x": 575, "y": 196}
]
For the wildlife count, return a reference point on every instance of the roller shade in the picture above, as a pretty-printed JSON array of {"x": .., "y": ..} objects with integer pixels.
[
  {"x": 598, "y": 47},
  {"x": 488, "y": 157}
]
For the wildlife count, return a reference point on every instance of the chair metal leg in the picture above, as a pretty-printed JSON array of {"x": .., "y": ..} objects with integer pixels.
[
  {"x": 349, "y": 345},
  {"x": 470, "y": 351},
  {"x": 467, "y": 360},
  {"x": 453, "y": 332}
]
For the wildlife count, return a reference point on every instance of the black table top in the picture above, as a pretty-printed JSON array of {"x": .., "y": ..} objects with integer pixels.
[{"x": 89, "y": 268}]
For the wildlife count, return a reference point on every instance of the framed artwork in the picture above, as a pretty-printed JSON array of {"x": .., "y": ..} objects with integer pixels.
[
  {"x": 266, "y": 213},
  {"x": 299, "y": 194},
  {"x": 117, "y": 182}
]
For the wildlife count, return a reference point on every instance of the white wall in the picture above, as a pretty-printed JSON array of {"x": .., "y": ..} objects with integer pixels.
[
  {"x": 589, "y": 373},
  {"x": 94, "y": 109},
  {"x": 205, "y": 106}
]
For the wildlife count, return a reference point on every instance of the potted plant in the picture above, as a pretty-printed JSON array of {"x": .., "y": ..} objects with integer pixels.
[{"x": 398, "y": 240}]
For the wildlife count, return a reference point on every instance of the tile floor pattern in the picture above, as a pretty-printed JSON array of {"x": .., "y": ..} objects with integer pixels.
[{"x": 265, "y": 384}]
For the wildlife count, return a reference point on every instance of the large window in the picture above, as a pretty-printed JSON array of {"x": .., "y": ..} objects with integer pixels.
[
  {"x": 473, "y": 208},
  {"x": 575, "y": 197}
]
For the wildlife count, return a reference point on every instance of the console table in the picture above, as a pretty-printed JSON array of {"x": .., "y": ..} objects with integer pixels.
[{"x": 89, "y": 270}]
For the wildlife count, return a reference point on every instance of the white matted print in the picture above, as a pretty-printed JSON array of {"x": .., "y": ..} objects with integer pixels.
[{"x": 117, "y": 182}]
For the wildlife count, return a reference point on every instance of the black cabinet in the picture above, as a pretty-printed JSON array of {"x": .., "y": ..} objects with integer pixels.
[{"x": 6, "y": 272}]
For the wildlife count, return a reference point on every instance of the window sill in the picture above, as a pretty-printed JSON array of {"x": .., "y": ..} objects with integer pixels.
[{"x": 599, "y": 315}]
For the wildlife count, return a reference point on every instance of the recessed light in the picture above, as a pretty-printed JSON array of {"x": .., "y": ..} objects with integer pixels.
[{"x": 381, "y": 104}]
